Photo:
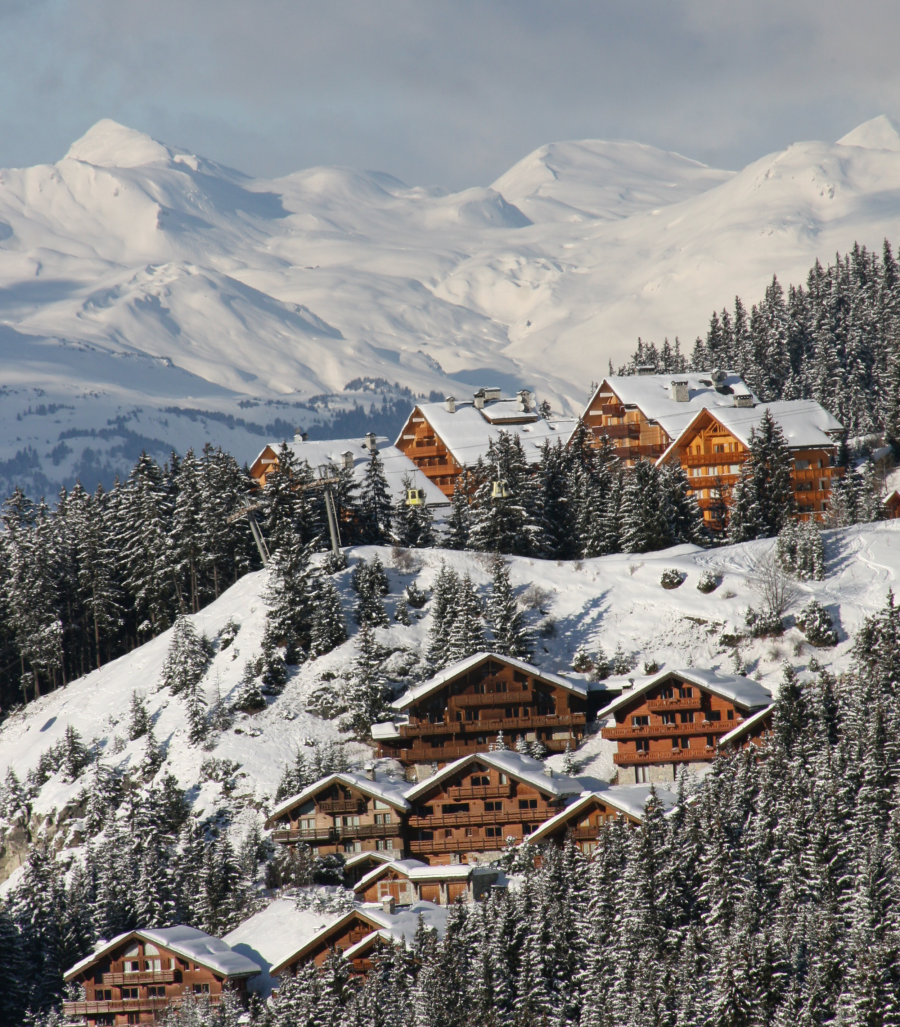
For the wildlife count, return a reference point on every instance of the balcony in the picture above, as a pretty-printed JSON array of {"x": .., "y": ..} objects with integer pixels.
[
  {"x": 467, "y": 727},
  {"x": 447, "y": 753},
  {"x": 664, "y": 705},
  {"x": 143, "y": 977},
  {"x": 304, "y": 834},
  {"x": 419, "y": 450},
  {"x": 584, "y": 834},
  {"x": 457, "y": 845},
  {"x": 630, "y": 759},
  {"x": 631, "y": 430},
  {"x": 333, "y": 834},
  {"x": 698, "y": 727},
  {"x": 516, "y": 697},
  {"x": 720, "y": 459},
  {"x": 482, "y": 792},
  {"x": 332, "y": 806},
  {"x": 503, "y": 816},
  {"x": 128, "y": 1005}
]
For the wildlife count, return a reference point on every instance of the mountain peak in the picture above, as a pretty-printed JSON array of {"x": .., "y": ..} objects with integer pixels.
[
  {"x": 878, "y": 134},
  {"x": 111, "y": 145}
]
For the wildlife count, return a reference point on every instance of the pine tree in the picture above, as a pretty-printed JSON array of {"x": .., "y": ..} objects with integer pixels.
[
  {"x": 413, "y": 523},
  {"x": 645, "y": 526},
  {"x": 138, "y": 717},
  {"x": 506, "y": 621},
  {"x": 288, "y": 596},
  {"x": 367, "y": 693},
  {"x": 459, "y": 521},
  {"x": 187, "y": 658},
  {"x": 763, "y": 499},
  {"x": 329, "y": 629},
  {"x": 369, "y": 581},
  {"x": 466, "y": 636},
  {"x": 374, "y": 503},
  {"x": 443, "y": 608}
]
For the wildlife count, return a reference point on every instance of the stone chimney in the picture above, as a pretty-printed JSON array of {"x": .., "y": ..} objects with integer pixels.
[
  {"x": 645, "y": 369},
  {"x": 369, "y": 771},
  {"x": 479, "y": 399},
  {"x": 371, "y": 442},
  {"x": 680, "y": 392},
  {"x": 492, "y": 393},
  {"x": 300, "y": 436},
  {"x": 743, "y": 400},
  {"x": 524, "y": 397},
  {"x": 387, "y": 905},
  {"x": 347, "y": 460},
  {"x": 548, "y": 771},
  {"x": 450, "y": 404}
]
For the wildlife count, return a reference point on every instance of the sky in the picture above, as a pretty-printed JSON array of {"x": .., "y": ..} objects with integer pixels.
[{"x": 442, "y": 92}]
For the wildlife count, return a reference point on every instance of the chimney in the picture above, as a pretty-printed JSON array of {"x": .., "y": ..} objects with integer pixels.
[
  {"x": 347, "y": 460},
  {"x": 680, "y": 391},
  {"x": 387, "y": 905},
  {"x": 718, "y": 376},
  {"x": 492, "y": 393},
  {"x": 300, "y": 435},
  {"x": 645, "y": 369},
  {"x": 369, "y": 771},
  {"x": 371, "y": 442},
  {"x": 479, "y": 399},
  {"x": 743, "y": 400},
  {"x": 450, "y": 404},
  {"x": 548, "y": 771},
  {"x": 524, "y": 400}
]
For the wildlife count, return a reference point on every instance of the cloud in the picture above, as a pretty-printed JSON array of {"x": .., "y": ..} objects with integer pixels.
[{"x": 438, "y": 92}]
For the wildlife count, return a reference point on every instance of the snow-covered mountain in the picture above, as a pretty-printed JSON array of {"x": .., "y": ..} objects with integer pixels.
[
  {"x": 607, "y": 602},
  {"x": 150, "y": 298}
]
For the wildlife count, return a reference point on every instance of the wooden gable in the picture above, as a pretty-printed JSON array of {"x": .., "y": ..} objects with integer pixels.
[
  {"x": 582, "y": 822},
  {"x": 263, "y": 464},
  {"x": 391, "y": 883},
  {"x": 419, "y": 442},
  {"x": 339, "y": 936}
]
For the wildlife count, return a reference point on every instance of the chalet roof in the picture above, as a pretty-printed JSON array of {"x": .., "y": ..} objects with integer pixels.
[
  {"x": 413, "y": 695},
  {"x": 401, "y": 927},
  {"x": 452, "y": 872},
  {"x": 522, "y": 768},
  {"x": 395, "y": 463},
  {"x": 385, "y": 789},
  {"x": 628, "y": 799},
  {"x": 652, "y": 395},
  {"x": 747, "y": 725},
  {"x": 737, "y": 689},
  {"x": 360, "y": 857},
  {"x": 273, "y": 934},
  {"x": 402, "y": 866},
  {"x": 467, "y": 432},
  {"x": 806, "y": 424},
  {"x": 188, "y": 942}
]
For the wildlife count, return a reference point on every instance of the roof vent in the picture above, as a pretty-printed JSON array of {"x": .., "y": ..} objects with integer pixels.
[
  {"x": 680, "y": 391},
  {"x": 743, "y": 400},
  {"x": 524, "y": 397},
  {"x": 491, "y": 393},
  {"x": 645, "y": 369},
  {"x": 387, "y": 904},
  {"x": 479, "y": 399},
  {"x": 347, "y": 460},
  {"x": 371, "y": 442},
  {"x": 450, "y": 404}
]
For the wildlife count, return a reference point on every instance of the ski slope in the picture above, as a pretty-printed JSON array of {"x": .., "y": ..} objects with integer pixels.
[{"x": 610, "y": 601}]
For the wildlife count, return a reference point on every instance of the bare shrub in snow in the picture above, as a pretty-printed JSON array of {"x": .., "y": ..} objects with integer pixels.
[
  {"x": 772, "y": 585},
  {"x": 535, "y": 598}
]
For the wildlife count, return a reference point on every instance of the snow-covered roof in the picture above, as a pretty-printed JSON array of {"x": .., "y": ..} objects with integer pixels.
[
  {"x": 467, "y": 432},
  {"x": 396, "y": 464},
  {"x": 188, "y": 942},
  {"x": 386, "y": 730},
  {"x": 805, "y": 424},
  {"x": 515, "y": 764},
  {"x": 652, "y": 395},
  {"x": 385, "y": 789},
  {"x": 629, "y": 799},
  {"x": 747, "y": 725},
  {"x": 360, "y": 857},
  {"x": 452, "y": 872},
  {"x": 404, "y": 867},
  {"x": 401, "y": 927},
  {"x": 440, "y": 679},
  {"x": 737, "y": 689},
  {"x": 272, "y": 935}
]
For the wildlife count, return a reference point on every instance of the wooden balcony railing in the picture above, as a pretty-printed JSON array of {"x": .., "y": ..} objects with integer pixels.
[
  {"x": 304, "y": 834},
  {"x": 482, "y": 792},
  {"x": 698, "y": 727},
  {"x": 517, "y": 697},
  {"x": 128, "y": 1005},
  {"x": 684, "y": 703},
  {"x": 330, "y": 834},
  {"x": 505, "y": 816},
  {"x": 631, "y": 430},
  {"x": 143, "y": 977},
  {"x": 584, "y": 834},
  {"x": 627, "y": 759},
  {"x": 447, "y": 753},
  {"x": 457, "y": 845},
  {"x": 495, "y": 724},
  {"x": 332, "y": 806}
]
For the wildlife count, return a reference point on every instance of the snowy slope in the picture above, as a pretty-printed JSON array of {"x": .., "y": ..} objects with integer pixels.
[
  {"x": 609, "y": 601},
  {"x": 138, "y": 281}
]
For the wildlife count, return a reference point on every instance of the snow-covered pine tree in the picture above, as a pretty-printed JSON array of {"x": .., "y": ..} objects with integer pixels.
[
  {"x": 413, "y": 523},
  {"x": 367, "y": 692},
  {"x": 369, "y": 581},
  {"x": 763, "y": 498},
  {"x": 289, "y": 618},
  {"x": 456, "y": 535},
  {"x": 374, "y": 504},
  {"x": 506, "y": 515},
  {"x": 466, "y": 636},
  {"x": 329, "y": 629},
  {"x": 506, "y": 620},
  {"x": 187, "y": 658},
  {"x": 645, "y": 526},
  {"x": 443, "y": 609},
  {"x": 138, "y": 717}
]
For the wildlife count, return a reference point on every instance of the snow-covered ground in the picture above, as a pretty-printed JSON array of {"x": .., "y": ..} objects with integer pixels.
[
  {"x": 146, "y": 294},
  {"x": 611, "y": 601}
]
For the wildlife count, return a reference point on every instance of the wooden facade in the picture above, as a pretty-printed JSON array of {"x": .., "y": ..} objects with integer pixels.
[
  {"x": 462, "y": 710},
  {"x": 475, "y": 805},
  {"x": 754, "y": 730},
  {"x": 677, "y": 717},
  {"x": 420, "y": 443},
  {"x": 136, "y": 978},
  {"x": 712, "y": 455},
  {"x": 582, "y": 821},
  {"x": 408, "y": 881},
  {"x": 633, "y": 434},
  {"x": 340, "y": 814},
  {"x": 345, "y": 932}
]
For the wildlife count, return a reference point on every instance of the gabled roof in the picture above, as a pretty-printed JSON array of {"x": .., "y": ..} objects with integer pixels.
[
  {"x": 360, "y": 857},
  {"x": 402, "y": 927},
  {"x": 806, "y": 424},
  {"x": 748, "y": 725},
  {"x": 522, "y": 768},
  {"x": 396, "y": 464},
  {"x": 651, "y": 394},
  {"x": 628, "y": 799},
  {"x": 188, "y": 942},
  {"x": 735, "y": 688},
  {"x": 467, "y": 432},
  {"x": 413, "y": 695},
  {"x": 416, "y": 870},
  {"x": 385, "y": 790},
  {"x": 403, "y": 866}
]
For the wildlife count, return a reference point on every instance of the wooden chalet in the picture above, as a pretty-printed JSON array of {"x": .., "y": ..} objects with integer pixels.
[
  {"x": 358, "y": 865},
  {"x": 643, "y": 414},
  {"x": 462, "y": 709},
  {"x": 474, "y": 805},
  {"x": 677, "y": 717},
  {"x": 443, "y": 439},
  {"x": 364, "y": 924},
  {"x": 892, "y": 504},
  {"x": 139, "y": 975},
  {"x": 714, "y": 445},
  {"x": 410, "y": 880},
  {"x": 582, "y": 819},
  {"x": 345, "y": 813},
  {"x": 754, "y": 730}
]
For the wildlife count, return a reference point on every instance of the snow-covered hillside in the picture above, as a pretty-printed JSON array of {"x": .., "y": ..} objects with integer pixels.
[
  {"x": 153, "y": 299},
  {"x": 614, "y": 601}
]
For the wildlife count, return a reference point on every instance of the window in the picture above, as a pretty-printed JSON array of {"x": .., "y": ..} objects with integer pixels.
[
  {"x": 470, "y": 714},
  {"x": 493, "y": 832},
  {"x": 685, "y": 743},
  {"x": 527, "y": 803},
  {"x": 669, "y": 718},
  {"x": 504, "y": 779},
  {"x": 381, "y": 805},
  {"x": 382, "y": 818},
  {"x": 714, "y": 715},
  {"x": 528, "y": 828},
  {"x": 642, "y": 745},
  {"x": 426, "y": 811},
  {"x": 448, "y": 833},
  {"x": 509, "y": 713},
  {"x": 131, "y": 966},
  {"x": 493, "y": 807},
  {"x": 154, "y": 965},
  {"x": 156, "y": 992},
  {"x": 709, "y": 741},
  {"x": 450, "y": 808},
  {"x": 350, "y": 821},
  {"x": 307, "y": 823},
  {"x": 687, "y": 693},
  {"x": 480, "y": 782},
  {"x": 201, "y": 989},
  {"x": 640, "y": 721},
  {"x": 353, "y": 846},
  {"x": 731, "y": 714},
  {"x": 128, "y": 993},
  {"x": 674, "y": 743},
  {"x": 641, "y": 775},
  {"x": 687, "y": 718}
]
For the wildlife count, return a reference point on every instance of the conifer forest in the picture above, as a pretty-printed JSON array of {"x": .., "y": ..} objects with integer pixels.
[{"x": 768, "y": 897}]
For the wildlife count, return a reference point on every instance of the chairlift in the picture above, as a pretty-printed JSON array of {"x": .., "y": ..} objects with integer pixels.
[
  {"x": 415, "y": 497},
  {"x": 500, "y": 490}
]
